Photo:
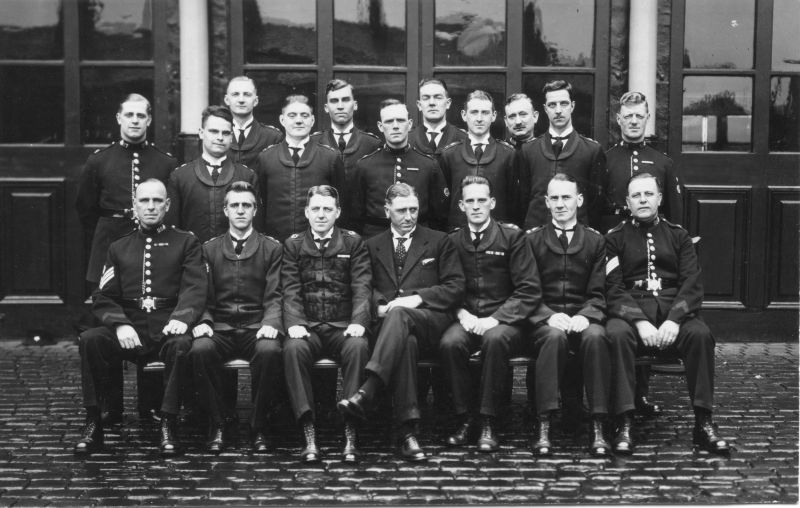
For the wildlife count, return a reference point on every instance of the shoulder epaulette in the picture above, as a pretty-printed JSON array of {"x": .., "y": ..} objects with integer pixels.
[
  {"x": 268, "y": 126},
  {"x": 295, "y": 236},
  {"x": 506, "y": 144},
  {"x": 213, "y": 239},
  {"x": 104, "y": 148},
  {"x": 184, "y": 164},
  {"x": 269, "y": 238},
  {"x": 161, "y": 151},
  {"x": 427, "y": 156},
  {"x": 315, "y": 134},
  {"x": 509, "y": 225},
  {"x": 348, "y": 232},
  {"x": 326, "y": 147},
  {"x": 451, "y": 145},
  {"x": 672, "y": 224},
  {"x": 380, "y": 148},
  {"x": 463, "y": 130},
  {"x": 533, "y": 230},
  {"x": 587, "y": 138},
  {"x": 368, "y": 133},
  {"x": 618, "y": 227},
  {"x": 592, "y": 230}
]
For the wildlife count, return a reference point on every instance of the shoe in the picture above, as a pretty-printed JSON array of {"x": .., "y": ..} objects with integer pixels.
[
  {"x": 542, "y": 446},
  {"x": 350, "y": 454},
  {"x": 112, "y": 418},
  {"x": 461, "y": 435},
  {"x": 410, "y": 449},
  {"x": 310, "y": 454},
  {"x": 216, "y": 439},
  {"x": 599, "y": 446},
  {"x": 259, "y": 442},
  {"x": 488, "y": 441},
  {"x": 91, "y": 438},
  {"x": 623, "y": 442},
  {"x": 646, "y": 408},
  {"x": 355, "y": 406},
  {"x": 705, "y": 436},
  {"x": 169, "y": 445}
]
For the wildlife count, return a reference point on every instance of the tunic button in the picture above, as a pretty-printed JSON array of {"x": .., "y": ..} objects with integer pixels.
[
  {"x": 635, "y": 152},
  {"x": 147, "y": 255},
  {"x": 136, "y": 161},
  {"x": 147, "y": 272},
  {"x": 146, "y": 290},
  {"x": 399, "y": 159},
  {"x": 148, "y": 247},
  {"x": 650, "y": 235},
  {"x": 652, "y": 248},
  {"x": 635, "y": 160},
  {"x": 147, "y": 263},
  {"x": 398, "y": 167},
  {"x": 653, "y": 257},
  {"x": 136, "y": 177},
  {"x": 149, "y": 239},
  {"x": 148, "y": 281},
  {"x": 636, "y": 168},
  {"x": 399, "y": 174},
  {"x": 135, "y": 155}
]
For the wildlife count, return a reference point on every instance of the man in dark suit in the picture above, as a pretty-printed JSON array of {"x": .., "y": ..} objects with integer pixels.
[
  {"x": 326, "y": 300},
  {"x": 502, "y": 290},
  {"x": 435, "y": 132},
  {"x": 571, "y": 262},
  {"x": 242, "y": 319},
  {"x": 152, "y": 289},
  {"x": 560, "y": 150},
  {"x": 520, "y": 117},
  {"x": 416, "y": 287},
  {"x": 249, "y": 135},
  {"x": 654, "y": 298},
  {"x": 197, "y": 189}
]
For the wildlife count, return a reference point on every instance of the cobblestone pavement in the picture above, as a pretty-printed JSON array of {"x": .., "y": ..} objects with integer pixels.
[{"x": 757, "y": 409}]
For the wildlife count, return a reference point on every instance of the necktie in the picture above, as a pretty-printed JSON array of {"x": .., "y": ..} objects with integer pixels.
[
  {"x": 400, "y": 253},
  {"x": 432, "y": 140},
  {"x": 240, "y": 139},
  {"x": 215, "y": 171},
  {"x": 558, "y": 145},
  {"x": 322, "y": 243},
  {"x": 478, "y": 151},
  {"x": 477, "y": 239},
  {"x": 562, "y": 237},
  {"x": 295, "y": 154},
  {"x": 239, "y": 245},
  {"x": 342, "y": 143}
]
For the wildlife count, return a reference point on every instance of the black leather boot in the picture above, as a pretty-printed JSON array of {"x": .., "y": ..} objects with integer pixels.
[
  {"x": 542, "y": 445},
  {"x": 705, "y": 435},
  {"x": 91, "y": 439},
  {"x": 350, "y": 454},
  {"x": 623, "y": 442},
  {"x": 169, "y": 445},
  {"x": 310, "y": 453},
  {"x": 599, "y": 446}
]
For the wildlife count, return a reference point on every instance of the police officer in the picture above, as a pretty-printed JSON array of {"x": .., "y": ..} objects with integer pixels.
[
  {"x": 152, "y": 289},
  {"x": 397, "y": 161},
  {"x": 243, "y": 319},
  {"x": 654, "y": 296},
  {"x": 502, "y": 290},
  {"x": 560, "y": 150},
  {"x": 520, "y": 118},
  {"x": 435, "y": 132},
  {"x": 250, "y": 136},
  {"x": 198, "y": 188},
  {"x": 327, "y": 289},
  {"x": 571, "y": 262},
  {"x": 480, "y": 154}
]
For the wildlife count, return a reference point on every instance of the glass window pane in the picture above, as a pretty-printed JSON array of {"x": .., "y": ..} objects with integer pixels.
[
  {"x": 276, "y": 31},
  {"x": 460, "y": 85},
  {"x": 719, "y": 34},
  {"x": 370, "y": 89},
  {"x": 31, "y": 29},
  {"x": 102, "y": 89},
  {"x": 369, "y": 33},
  {"x": 717, "y": 113},
  {"x": 784, "y": 118},
  {"x": 31, "y": 114},
  {"x": 116, "y": 29},
  {"x": 582, "y": 92},
  {"x": 470, "y": 32},
  {"x": 546, "y": 43},
  {"x": 274, "y": 86},
  {"x": 786, "y": 35}
]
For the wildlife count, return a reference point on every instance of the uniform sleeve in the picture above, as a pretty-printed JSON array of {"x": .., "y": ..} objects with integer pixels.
[
  {"x": 211, "y": 301},
  {"x": 620, "y": 303},
  {"x": 194, "y": 284},
  {"x": 522, "y": 179},
  {"x": 360, "y": 284},
  {"x": 272, "y": 301},
  {"x": 527, "y": 287},
  {"x": 358, "y": 207},
  {"x": 594, "y": 309},
  {"x": 674, "y": 192},
  {"x": 542, "y": 311},
  {"x": 596, "y": 196},
  {"x": 105, "y": 298},
  {"x": 690, "y": 290},
  {"x": 449, "y": 293},
  {"x": 438, "y": 200},
  {"x": 87, "y": 203},
  {"x": 293, "y": 305},
  {"x": 173, "y": 191}
]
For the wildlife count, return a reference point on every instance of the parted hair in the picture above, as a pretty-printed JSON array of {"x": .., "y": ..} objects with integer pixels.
[
  {"x": 218, "y": 111},
  {"x": 399, "y": 189},
  {"x": 240, "y": 186},
  {"x": 243, "y": 78},
  {"x": 556, "y": 85},
  {"x": 323, "y": 190},
  {"x": 338, "y": 84},
  {"x": 135, "y": 97},
  {"x": 297, "y": 97},
  {"x": 435, "y": 81},
  {"x": 480, "y": 95},
  {"x": 477, "y": 180},
  {"x": 639, "y": 176},
  {"x": 519, "y": 97}
]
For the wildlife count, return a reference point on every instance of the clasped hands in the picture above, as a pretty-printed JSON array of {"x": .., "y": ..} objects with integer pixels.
[
  {"x": 473, "y": 324},
  {"x": 574, "y": 324},
  {"x": 661, "y": 337},
  {"x": 129, "y": 339}
]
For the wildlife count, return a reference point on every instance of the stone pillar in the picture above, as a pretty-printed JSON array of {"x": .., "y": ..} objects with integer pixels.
[
  {"x": 642, "y": 55},
  {"x": 194, "y": 73}
]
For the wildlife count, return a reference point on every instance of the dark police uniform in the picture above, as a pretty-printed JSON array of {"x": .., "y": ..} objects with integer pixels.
[
  {"x": 627, "y": 159},
  {"x": 260, "y": 137},
  {"x": 418, "y": 138},
  {"x": 105, "y": 193},
  {"x": 497, "y": 164},
  {"x": 325, "y": 291},
  {"x": 244, "y": 294},
  {"x": 431, "y": 270},
  {"x": 386, "y": 166},
  {"x": 502, "y": 282},
  {"x": 573, "y": 283},
  {"x": 582, "y": 158},
  {"x": 283, "y": 186},
  {"x": 149, "y": 278},
  {"x": 196, "y": 201},
  {"x": 652, "y": 274},
  {"x": 518, "y": 143}
]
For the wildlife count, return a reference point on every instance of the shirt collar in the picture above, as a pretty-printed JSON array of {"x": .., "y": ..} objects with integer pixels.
[
  {"x": 395, "y": 234},
  {"x": 569, "y": 226},
  {"x": 564, "y": 134},
  {"x": 482, "y": 229},
  {"x": 301, "y": 145},
  {"x": 212, "y": 161},
  {"x": 483, "y": 140},
  {"x": 346, "y": 130},
  {"x": 327, "y": 236},
  {"x": 243, "y": 237},
  {"x": 247, "y": 124},
  {"x": 437, "y": 128}
]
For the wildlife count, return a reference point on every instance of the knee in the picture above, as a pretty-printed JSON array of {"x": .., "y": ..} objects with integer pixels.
[
  {"x": 619, "y": 331},
  {"x": 202, "y": 347},
  {"x": 267, "y": 348},
  {"x": 355, "y": 346},
  {"x": 593, "y": 338},
  {"x": 554, "y": 338},
  {"x": 295, "y": 348},
  {"x": 454, "y": 339},
  {"x": 496, "y": 337},
  {"x": 180, "y": 344}
]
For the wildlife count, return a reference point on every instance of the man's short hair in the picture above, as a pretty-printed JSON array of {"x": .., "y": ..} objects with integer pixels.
[
  {"x": 477, "y": 180},
  {"x": 242, "y": 78},
  {"x": 634, "y": 99},
  {"x": 399, "y": 189},
  {"x": 323, "y": 190},
  {"x": 297, "y": 97},
  {"x": 337, "y": 84},
  {"x": 480, "y": 95},
  {"x": 385, "y": 103},
  {"x": 563, "y": 177},
  {"x": 556, "y": 85},
  {"x": 519, "y": 97},
  {"x": 151, "y": 180},
  {"x": 240, "y": 186},
  {"x": 435, "y": 81},
  {"x": 135, "y": 97},
  {"x": 218, "y": 111},
  {"x": 640, "y": 176}
]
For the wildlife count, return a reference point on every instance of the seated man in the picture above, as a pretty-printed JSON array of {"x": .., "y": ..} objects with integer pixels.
[
  {"x": 417, "y": 282},
  {"x": 153, "y": 287},
  {"x": 654, "y": 298},
  {"x": 571, "y": 262},
  {"x": 502, "y": 290},
  {"x": 326, "y": 309},
  {"x": 243, "y": 318}
]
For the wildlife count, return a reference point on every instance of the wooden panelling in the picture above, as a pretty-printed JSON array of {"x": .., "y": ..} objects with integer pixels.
[
  {"x": 719, "y": 216},
  {"x": 33, "y": 270},
  {"x": 784, "y": 227}
]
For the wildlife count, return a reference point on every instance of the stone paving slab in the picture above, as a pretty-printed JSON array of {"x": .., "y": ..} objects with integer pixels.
[{"x": 757, "y": 410}]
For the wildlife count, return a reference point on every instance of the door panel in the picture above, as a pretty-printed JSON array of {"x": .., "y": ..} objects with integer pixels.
[{"x": 784, "y": 224}]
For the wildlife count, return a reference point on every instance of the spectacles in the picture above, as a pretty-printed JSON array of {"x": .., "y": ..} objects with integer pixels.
[{"x": 634, "y": 97}]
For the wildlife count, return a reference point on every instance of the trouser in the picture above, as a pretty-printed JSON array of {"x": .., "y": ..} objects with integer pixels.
[
  {"x": 208, "y": 354},
  {"x": 299, "y": 356}
]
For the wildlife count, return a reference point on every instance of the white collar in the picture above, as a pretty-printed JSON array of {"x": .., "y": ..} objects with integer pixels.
[
  {"x": 243, "y": 237},
  {"x": 213, "y": 161},
  {"x": 483, "y": 141},
  {"x": 564, "y": 134},
  {"x": 347, "y": 130},
  {"x": 327, "y": 236}
]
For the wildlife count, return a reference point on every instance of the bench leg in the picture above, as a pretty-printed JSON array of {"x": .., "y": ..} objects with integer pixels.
[{"x": 149, "y": 391}]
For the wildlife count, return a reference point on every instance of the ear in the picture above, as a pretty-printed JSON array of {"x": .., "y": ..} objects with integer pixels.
[
  {"x": 226, "y": 100},
  {"x": 167, "y": 202},
  {"x": 492, "y": 203},
  {"x": 386, "y": 211},
  {"x": 461, "y": 205},
  {"x": 119, "y": 119},
  {"x": 355, "y": 105},
  {"x": 463, "y": 115},
  {"x": 579, "y": 200}
]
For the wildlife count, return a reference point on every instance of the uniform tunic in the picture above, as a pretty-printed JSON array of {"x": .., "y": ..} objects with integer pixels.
[
  {"x": 418, "y": 137},
  {"x": 260, "y": 137}
]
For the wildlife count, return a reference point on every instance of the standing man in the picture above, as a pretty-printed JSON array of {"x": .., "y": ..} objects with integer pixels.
[
  {"x": 560, "y": 150},
  {"x": 417, "y": 281},
  {"x": 197, "y": 189},
  {"x": 242, "y": 319},
  {"x": 654, "y": 298},
  {"x": 480, "y": 154},
  {"x": 520, "y": 118},
  {"x": 286, "y": 170},
  {"x": 502, "y": 290},
  {"x": 326, "y": 299},
  {"x": 571, "y": 261},
  {"x": 249, "y": 135},
  {"x": 397, "y": 161},
  {"x": 435, "y": 133},
  {"x": 153, "y": 288}
]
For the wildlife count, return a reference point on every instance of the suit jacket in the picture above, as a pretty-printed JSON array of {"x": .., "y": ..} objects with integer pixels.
[
  {"x": 260, "y": 137},
  {"x": 418, "y": 137},
  {"x": 432, "y": 270}
]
